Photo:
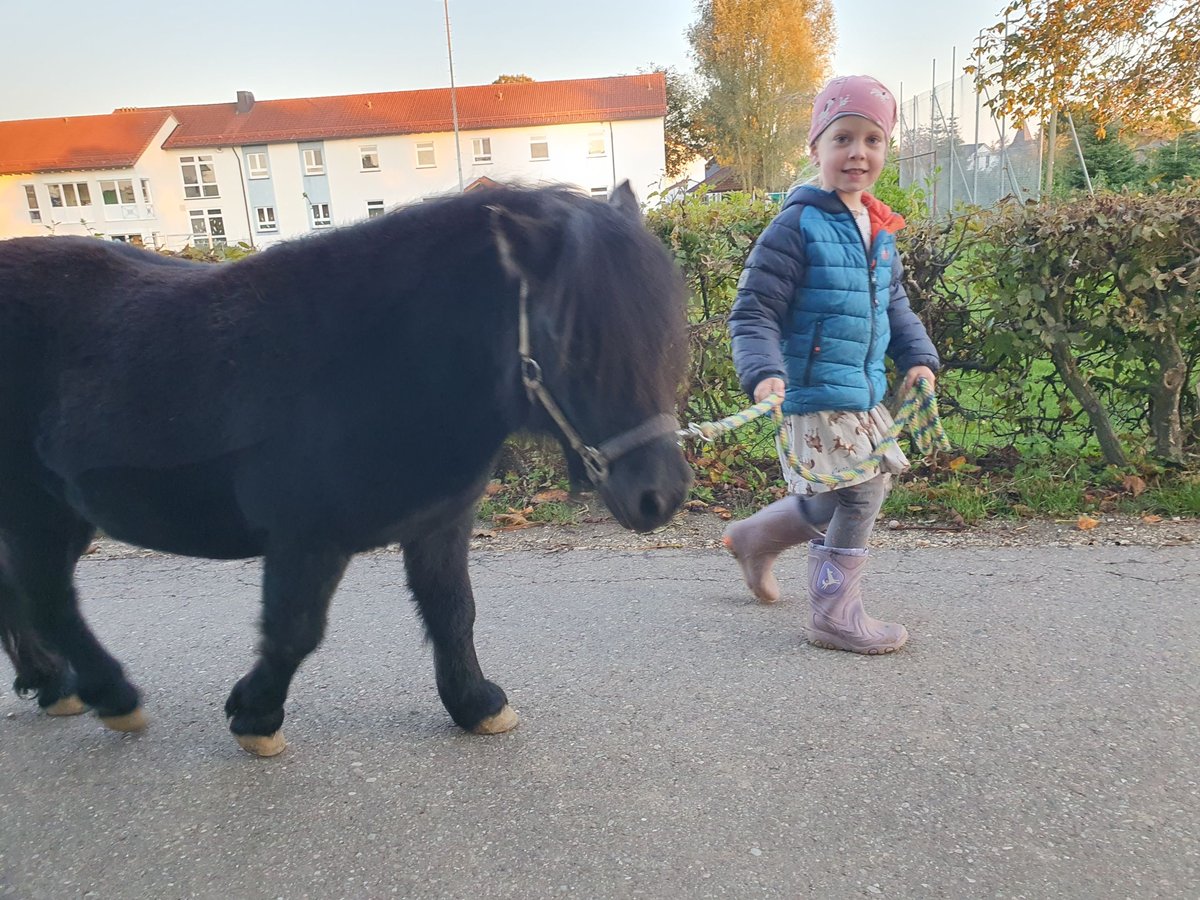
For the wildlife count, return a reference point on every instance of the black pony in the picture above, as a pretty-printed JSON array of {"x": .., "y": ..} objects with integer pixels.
[{"x": 324, "y": 397}]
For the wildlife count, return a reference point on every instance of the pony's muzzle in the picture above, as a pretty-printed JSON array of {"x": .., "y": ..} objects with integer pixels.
[{"x": 647, "y": 487}]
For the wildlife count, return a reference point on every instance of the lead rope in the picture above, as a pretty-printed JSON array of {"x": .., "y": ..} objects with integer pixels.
[{"x": 918, "y": 414}]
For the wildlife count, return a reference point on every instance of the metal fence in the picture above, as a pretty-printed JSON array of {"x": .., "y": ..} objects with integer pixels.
[{"x": 953, "y": 148}]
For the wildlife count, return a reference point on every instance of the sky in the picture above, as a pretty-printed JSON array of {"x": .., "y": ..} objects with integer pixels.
[{"x": 81, "y": 57}]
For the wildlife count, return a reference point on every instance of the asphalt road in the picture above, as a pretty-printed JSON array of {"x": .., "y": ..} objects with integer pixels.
[{"x": 1038, "y": 738}]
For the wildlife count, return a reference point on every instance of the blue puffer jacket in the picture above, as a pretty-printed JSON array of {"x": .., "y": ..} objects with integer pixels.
[{"x": 814, "y": 308}]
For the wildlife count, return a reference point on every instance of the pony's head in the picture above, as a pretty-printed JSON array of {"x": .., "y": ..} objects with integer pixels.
[{"x": 602, "y": 336}]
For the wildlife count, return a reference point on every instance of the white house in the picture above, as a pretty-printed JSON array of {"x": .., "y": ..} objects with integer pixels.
[{"x": 261, "y": 171}]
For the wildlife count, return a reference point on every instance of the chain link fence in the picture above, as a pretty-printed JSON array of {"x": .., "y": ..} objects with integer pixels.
[{"x": 954, "y": 149}]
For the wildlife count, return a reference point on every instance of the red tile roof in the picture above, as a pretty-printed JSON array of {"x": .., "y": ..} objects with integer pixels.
[
  {"x": 117, "y": 140},
  {"x": 419, "y": 112},
  {"x": 114, "y": 141}
]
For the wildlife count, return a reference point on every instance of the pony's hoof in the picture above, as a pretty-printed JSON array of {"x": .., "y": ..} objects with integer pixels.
[
  {"x": 67, "y": 706},
  {"x": 505, "y": 720},
  {"x": 132, "y": 721},
  {"x": 262, "y": 744}
]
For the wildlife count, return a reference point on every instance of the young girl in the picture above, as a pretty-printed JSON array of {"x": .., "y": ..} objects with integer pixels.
[{"x": 820, "y": 302}]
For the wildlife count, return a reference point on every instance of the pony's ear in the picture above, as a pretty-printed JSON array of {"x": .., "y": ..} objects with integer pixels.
[
  {"x": 626, "y": 201},
  {"x": 528, "y": 247}
]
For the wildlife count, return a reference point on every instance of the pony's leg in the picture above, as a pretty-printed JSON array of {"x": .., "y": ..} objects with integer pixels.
[
  {"x": 298, "y": 583},
  {"x": 40, "y": 671},
  {"x": 437, "y": 575},
  {"x": 42, "y": 553}
]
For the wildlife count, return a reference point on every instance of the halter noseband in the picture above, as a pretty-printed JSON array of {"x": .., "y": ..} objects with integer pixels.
[{"x": 596, "y": 460}]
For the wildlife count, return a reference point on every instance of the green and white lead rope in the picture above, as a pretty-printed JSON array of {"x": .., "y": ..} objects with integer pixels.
[{"x": 918, "y": 413}]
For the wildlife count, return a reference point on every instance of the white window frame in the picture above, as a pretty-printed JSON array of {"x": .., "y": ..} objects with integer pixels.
[
  {"x": 147, "y": 197},
  {"x": 265, "y": 220},
  {"x": 202, "y": 169},
  {"x": 31, "y": 200},
  {"x": 374, "y": 208},
  {"x": 481, "y": 149},
  {"x": 119, "y": 188},
  {"x": 70, "y": 194},
  {"x": 207, "y": 238},
  {"x": 256, "y": 165},
  {"x": 320, "y": 214},
  {"x": 369, "y": 152},
  {"x": 599, "y": 193},
  {"x": 539, "y": 140},
  {"x": 426, "y": 147},
  {"x": 597, "y": 144},
  {"x": 124, "y": 199},
  {"x": 314, "y": 161}
]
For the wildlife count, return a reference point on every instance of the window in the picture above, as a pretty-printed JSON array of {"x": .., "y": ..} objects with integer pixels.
[
  {"x": 149, "y": 200},
  {"x": 314, "y": 162},
  {"x": 599, "y": 193},
  {"x": 425, "y": 157},
  {"x": 256, "y": 165},
  {"x": 69, "y": 194},
  {"x": 539, "y": 148},
  {"x": 266, "y": 218},
  {"x": 135, "y": 239},
  {"x": 369, "y": 156},
  {"x": 374, "y": 208},
  {"x": 208, "y": 228},
  {"x": 320, "y": 215},
  {"x": 596, "y": 145},
  {"x": 35, "y": 214},
  {"x": 482, "y": 149},
  {"x": 199, "y": 176},
  {"x": 117, "y": 193}
]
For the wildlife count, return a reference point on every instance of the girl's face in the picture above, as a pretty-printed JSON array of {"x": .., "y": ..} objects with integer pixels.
[{"x": 850, "y": 154}]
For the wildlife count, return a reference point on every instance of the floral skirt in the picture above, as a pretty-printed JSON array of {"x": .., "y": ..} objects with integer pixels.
[{"x": 829, "y": 442}]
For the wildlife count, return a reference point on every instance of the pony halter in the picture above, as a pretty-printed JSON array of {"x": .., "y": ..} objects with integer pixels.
[{"x": 596, "y": 460}]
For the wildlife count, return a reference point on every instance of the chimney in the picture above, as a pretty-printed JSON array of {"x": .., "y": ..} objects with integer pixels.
[{"x": 245, "y": 101}]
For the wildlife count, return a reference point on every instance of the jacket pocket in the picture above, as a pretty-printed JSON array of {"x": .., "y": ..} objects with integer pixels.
[{"x": 813, "y": 352}]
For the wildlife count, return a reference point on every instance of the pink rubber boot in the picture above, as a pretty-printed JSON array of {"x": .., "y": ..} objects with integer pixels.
[
  {"x": 836, "y": 619},
  {"x": 756, "y": 542}
]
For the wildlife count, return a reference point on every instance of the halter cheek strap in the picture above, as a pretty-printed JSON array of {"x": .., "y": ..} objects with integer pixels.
[{"x": 596, "y": 460}]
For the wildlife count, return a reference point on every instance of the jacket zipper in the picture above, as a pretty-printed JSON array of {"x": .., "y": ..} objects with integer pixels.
[
  {"x": 867, "y": 246},
  {"x": 871, "y": 342}
]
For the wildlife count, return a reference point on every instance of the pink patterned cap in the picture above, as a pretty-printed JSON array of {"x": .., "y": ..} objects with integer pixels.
[{"x": 853, "y": 95}]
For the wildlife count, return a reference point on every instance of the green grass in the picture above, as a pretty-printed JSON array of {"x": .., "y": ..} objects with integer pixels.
[
  {"x": 555, "y": 512},
  {"x": 1046, "y": 495},
  {"x": 973, "y": 502},
  {"x": 1037, "y": 492},
  {"x": 1175, "y": 500}
]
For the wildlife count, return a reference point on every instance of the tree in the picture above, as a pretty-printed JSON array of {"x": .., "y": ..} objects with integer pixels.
[
  {"x": 686, "y": 133},
  {"x": 1173, "y": 162},
  {"x": 513, "y": 79},
  {"x": 1110, "y": 161},
  {"x": 762, "y": 62},
  {"x": 1128, "y": 61}
]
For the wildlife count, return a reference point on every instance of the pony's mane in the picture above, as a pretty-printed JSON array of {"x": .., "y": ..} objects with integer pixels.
[
  {"x": 625, "y": 321},
  {"x": 614, "y": 297}
]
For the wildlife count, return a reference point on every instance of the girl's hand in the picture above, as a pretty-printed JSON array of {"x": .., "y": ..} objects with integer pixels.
[
  {"x": 767, "y": 387},
  {"x": 916, "y": 373}
]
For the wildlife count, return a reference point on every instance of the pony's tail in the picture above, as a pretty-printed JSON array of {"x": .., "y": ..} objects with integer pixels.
[{"x": 40, "y": 671}]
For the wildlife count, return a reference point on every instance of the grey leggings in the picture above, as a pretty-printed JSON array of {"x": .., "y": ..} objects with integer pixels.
[{"x": 847, "y": 515}]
